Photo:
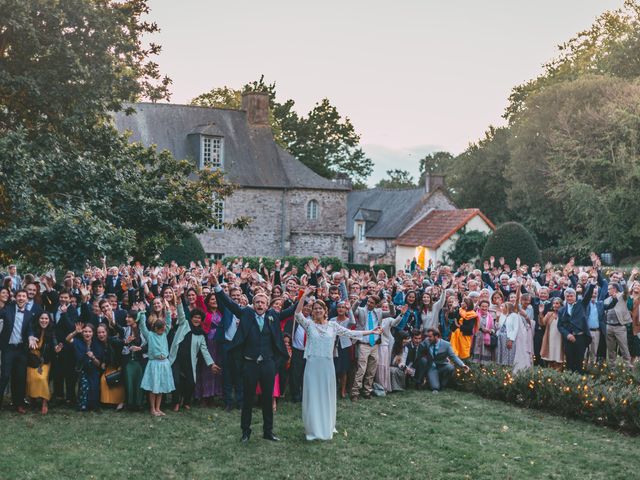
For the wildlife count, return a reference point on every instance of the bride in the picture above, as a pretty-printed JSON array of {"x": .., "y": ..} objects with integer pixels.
[{"x": 319, "y": 385}]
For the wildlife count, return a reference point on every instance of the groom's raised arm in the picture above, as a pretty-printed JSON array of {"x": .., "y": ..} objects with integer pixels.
[{"x": 224, "y": 299}]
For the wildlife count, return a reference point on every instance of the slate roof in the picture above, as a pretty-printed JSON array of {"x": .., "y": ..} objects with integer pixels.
[
  {"x": 250, "y": 155},
  {"x": 394, "y": 208},
  {"x": 437, "y": 226}
]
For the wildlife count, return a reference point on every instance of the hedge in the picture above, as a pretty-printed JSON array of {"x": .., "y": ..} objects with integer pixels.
[
  {"x": 604, "y": 398},
  {"x": 511, "y": 240},
  {"x": 300, "y": 262}
]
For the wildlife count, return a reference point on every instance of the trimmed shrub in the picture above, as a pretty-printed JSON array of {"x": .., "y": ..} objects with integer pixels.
[
  {"x": 605, "y": 397},
  {"x": 511, "y": 240},
  {"x": 189, "y": 250}
]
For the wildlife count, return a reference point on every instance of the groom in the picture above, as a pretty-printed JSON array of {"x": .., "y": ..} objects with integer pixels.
[{"x": 262, "y": 348}]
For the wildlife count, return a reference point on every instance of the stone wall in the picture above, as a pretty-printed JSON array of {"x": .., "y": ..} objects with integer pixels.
[
  {"x": 321, "y": 237},
  {"x": 262, "y": 237},
  {"x": 379, "y": 249},
  {"x": 265, "y": 237}
]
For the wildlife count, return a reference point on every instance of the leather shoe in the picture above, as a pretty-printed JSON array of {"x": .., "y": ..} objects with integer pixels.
[
  {"x": 271, "y": 436},
  {"x": 21, "y": 410},
  {"x": 245, "y": 438},
  {"x": 355, "y": 398}
]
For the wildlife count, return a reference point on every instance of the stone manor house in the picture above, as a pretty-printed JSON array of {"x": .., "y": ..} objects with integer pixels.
[{"x": 294, "y": 210}]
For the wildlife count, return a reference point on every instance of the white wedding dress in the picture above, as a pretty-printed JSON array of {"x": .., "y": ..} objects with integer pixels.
[{"x": 319, "y": 387}]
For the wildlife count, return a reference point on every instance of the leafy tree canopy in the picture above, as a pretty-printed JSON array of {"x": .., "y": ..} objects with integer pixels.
[
  {"x": 397, "y": 178},
  {"x": 71, "y": 187},
  {"x": 434, "y": 163}
]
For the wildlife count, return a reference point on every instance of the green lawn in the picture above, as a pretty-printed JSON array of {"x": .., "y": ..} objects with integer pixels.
[{"x": 413, "y": 435}]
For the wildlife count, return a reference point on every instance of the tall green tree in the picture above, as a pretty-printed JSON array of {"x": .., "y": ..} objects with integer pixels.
[
  {"x": 71, "y": 187},
  {"x": 323, "y": 140},
  {"x": 476, "y": 177},
  {"x": 397, "y": 178},
  {"x": 434, "y": 163},
  {"x": 576, "y": 164}
]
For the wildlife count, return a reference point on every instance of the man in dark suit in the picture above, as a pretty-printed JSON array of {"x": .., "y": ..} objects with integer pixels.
[
  {"x": 413, "y": 357},
  {"x": 260, "y": 343},
  {"x": 63, "y": 366},
  {"x": 14, "y": 338},
  {"x": 113, "y": 283},
  {"x": 436, "y": 356},
  {"x": 231, "y": 364},
  {"x": 32, "y": 304},
  {"x": 574, "y": 326},
  {"x": 119, "y": 314}
]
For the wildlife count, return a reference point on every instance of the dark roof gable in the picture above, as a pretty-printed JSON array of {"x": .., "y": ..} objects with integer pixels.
[{"x": 251, "y": 156}]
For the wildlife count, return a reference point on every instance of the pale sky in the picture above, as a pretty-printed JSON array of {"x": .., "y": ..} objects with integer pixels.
[{"x": 413, "y": 76}]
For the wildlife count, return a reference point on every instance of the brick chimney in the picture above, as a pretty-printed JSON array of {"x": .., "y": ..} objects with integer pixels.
[
  {"x": 257, "y": 106},
  {"x": 433, "y": 181}
]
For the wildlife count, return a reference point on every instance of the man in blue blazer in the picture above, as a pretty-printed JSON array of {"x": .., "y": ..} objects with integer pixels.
[
  {"x": 436, "y": 357},
  {"x": 597, "y": 327},
  {"x": 14, "y": 339},
  {"x": 574, "y": 326},
  {"x": 260, "y": 343}
]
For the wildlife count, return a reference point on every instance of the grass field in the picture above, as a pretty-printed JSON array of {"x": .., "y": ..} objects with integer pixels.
[{"x": 413, "y": 435}]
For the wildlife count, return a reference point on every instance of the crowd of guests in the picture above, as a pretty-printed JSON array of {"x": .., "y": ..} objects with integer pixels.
[{"x": 133, "y": 337}]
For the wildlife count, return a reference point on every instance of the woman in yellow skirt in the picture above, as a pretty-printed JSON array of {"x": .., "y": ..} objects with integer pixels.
[
  {"x": 463, "y": 335},
  {"x": 114, "y": 394},
  {"x": 42, "y": 348}
]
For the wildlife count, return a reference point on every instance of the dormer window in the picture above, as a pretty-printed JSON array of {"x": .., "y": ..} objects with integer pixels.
[
  {"x": 312, "y": 210},
  {"x": 210, "y": 152}
]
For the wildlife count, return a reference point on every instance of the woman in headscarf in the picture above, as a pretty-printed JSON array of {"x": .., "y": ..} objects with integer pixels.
[{"x": 188, "y": 342}]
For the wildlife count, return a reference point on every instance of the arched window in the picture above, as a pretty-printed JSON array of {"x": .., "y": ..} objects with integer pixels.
[{"x": 312, "y": 210}]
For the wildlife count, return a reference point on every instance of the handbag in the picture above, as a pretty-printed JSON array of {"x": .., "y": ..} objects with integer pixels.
[
  {"x": 114, "y": 379},
  {"x": 493, "y": 340}
]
